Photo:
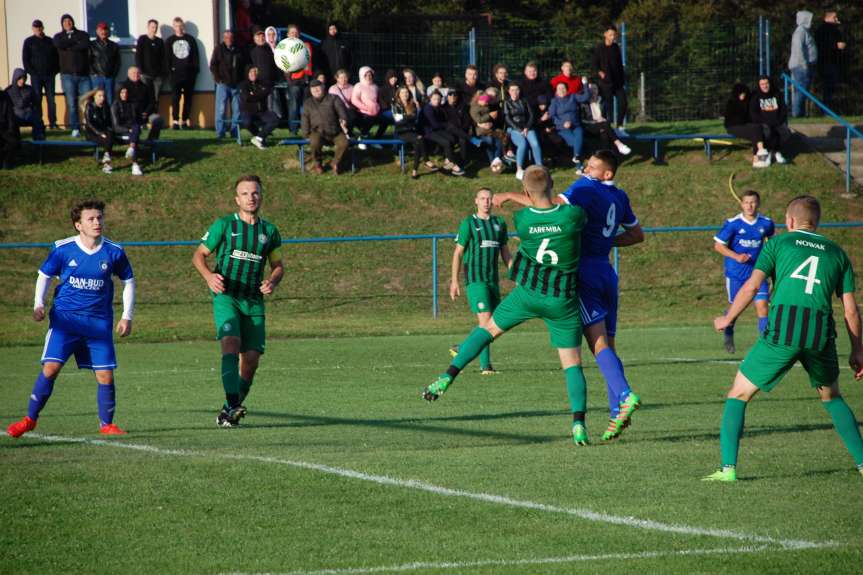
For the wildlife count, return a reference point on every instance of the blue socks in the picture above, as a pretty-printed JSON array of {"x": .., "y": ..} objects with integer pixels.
[
  {"x": 762, "y": 324},
  {"x": 612, "y": 370},
  {"x": 105, "y": 399},
  {"x": 42, "y": 390}
]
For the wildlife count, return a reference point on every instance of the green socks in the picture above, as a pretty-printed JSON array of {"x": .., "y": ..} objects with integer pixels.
[
  {"x": 732, "y": 428},
  {"x": 231, "y": 378},
  {"x": 576, "y": 388},
  {"x": 485, "y": 357},
  {"x": 846, "y": 427},
  {"x": 475, "y": 343}
]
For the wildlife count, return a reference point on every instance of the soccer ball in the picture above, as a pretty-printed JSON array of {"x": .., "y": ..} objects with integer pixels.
[{"x": 291, "y": 55}]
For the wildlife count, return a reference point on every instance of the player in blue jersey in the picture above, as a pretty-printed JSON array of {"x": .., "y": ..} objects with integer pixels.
[
  {"x": 608, "y": 210},
  {"x": 81, "y": 314},
  {"x": 740, "y": 240}
]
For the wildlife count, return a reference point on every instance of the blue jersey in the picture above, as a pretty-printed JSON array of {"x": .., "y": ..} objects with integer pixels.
[
  {"x": 86, "y": 284},
  {"x": 607, "y": 208},
  {"x": 744, "y": 237}
]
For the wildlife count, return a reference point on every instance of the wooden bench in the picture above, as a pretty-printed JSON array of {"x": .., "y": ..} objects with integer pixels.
[
  {"x": 301, "y": 144},
  {"x": 658, "y": 139},
  {"x": 87, "y": 144}
]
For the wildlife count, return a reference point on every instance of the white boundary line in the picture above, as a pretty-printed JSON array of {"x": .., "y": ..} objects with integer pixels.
[{"x": 587, "y": 514}]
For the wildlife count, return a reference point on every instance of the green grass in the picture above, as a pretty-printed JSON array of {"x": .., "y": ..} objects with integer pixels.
[{"x": 208, "y": 500}]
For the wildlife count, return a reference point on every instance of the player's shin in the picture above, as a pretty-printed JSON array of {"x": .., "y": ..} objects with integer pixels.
[
  {"x": 576, "y": 389},
  {"x": 612, "y": 370},
  {"x": 231, "y": 378},
  {"x": 485, "y": 357},
  {"x": 245, "y": 386},
  {"x": 42, "y": 389},
  {"x": 470, "y": 348},
  {"x": 733, "y": 417},
  {"x": 106, "y": 400},
  {"x": 846, "y": 426}
]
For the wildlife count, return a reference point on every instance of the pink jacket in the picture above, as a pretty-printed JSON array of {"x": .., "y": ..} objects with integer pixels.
[
  {"x": 364, "y": 96},
  {"x": 343, "y": 93}
]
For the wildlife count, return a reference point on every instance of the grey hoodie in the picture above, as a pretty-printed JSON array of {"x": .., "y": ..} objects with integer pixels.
[{"x": 804, "y": 53}]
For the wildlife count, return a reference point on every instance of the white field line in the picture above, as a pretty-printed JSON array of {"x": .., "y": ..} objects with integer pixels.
[{"x": 502, "y": 500}]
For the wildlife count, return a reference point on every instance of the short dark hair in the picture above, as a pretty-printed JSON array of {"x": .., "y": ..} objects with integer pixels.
[
  {"x": 152, "y": 21},
  {"x": 608, "y": 158},
  {"x": 609, "y": 27},
  {"x": 806, "y": 209},
  {"x": 753, "y": 193},
  {"x": 248, "y": 178},
  {"x": 470, "y": 67},
  {"x": 91, "y": 204}
]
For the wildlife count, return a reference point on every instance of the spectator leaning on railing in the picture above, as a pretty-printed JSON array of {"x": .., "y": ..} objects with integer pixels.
[
  {"x": 150, "y": 58},
  {"x": 73, "y": 51},
  {"x": 104, "y": 61},
  {"x": 41, "y": 64},
  {"x": 24, "y": 104},
  {"x": 325, "y": 122}
]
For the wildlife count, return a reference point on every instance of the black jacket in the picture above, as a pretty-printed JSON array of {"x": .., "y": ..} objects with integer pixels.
[
  {"x": 337, "y": 54},
  {"x": 468, "y": 92},
  {"x": 826, "y": 37},
  {"x": 518, "y": 114},
  {"x": 98, "y": 119},
  {"x": 73, "y": 51},
  {"x": 228, "y": 65},
  {"x": 768, "y": 109},
  {"x": 253, "y": 97},
  {"x": 40, "y": 56},
  {"x": 736, "y": 111},
  {"x": 24, "y": 98},
  {"x": 141, "y": 98},
  {"x": 150, "y": 55},
  {"x": 261, "y": 57},
  {"x": 609, "y": 60},
  {"x": 8, "y": 125},
  {"x": 458, "y": 117},
  {"x": 533, "y": 89},
  {"x": 104, "y": 58},
  {"x": 123, "y": 115},
  {"x": 181, "y": 53},
  {"x": 406, "y": 123}
]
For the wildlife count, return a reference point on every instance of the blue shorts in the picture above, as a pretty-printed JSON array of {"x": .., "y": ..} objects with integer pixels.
[
  {"x": 90, "y": 339},
  {"x": 597, "y": 289},
  {"x": 732, "y": 286}
]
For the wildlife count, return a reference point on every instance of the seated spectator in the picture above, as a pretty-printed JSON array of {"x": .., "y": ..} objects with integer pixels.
[
  {"x": 321, "y": 77},
  {"x": 324, "y": 121},
  {"x": 142, "y": 98},
  {"x": 573, "y": 83},
  {"x": 9, "y": 134},
  {"x": 549, "y": 139},
  {"x": 98, "y": 125},
  {"x": 125, "y": 123},
  {"x": 434, "y": 124},
  {"x": 364, "y": 99},
  {"x": 415, "y": 85},
  {"x": 520, "y": 123},
  {"x": 767, "y": 108},
  {"x": 458, "y": 123},
  {"x": 343, "y": 90},
  {"x": 24, "y": 104},
  {"x": 532, "y": 86},
  {"x": 254, "y": 115},
  {"x": 565, "y": 113},
  {"x": 492, "y": 137},
  {"x": 470, "y": 85},
  {"x": 437, "y": 84},
  {"x": 737, "y": 123},
  {"x": 387, "y": 93},
  {"x": 595, "y": 124},
  {"x": 406, "y": 116}
]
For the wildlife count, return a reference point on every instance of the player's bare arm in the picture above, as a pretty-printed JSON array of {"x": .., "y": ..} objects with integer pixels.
[
  {"x": 852, "y": 324},
  {"x": 729, "y": 253},
  {"x": 457, "y": 257},
  {"x": 630, "y": 236},
  {"x": 277, "y": 271},
  {"x": 215, "y": 281},
  {"x": 744, "y": 297},
  {"x": 520, "y": 198}
]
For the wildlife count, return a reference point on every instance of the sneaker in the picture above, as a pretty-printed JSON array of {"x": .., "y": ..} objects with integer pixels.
[
  {"x": 780, "y": 159},
  {"x": 230, "y": 417},
  {"x": 759, "y": 164},
  {"x": 447, "y": 165},
  {"x": 106, "y": 158},
  {"x": 437, "y": 389},
  {"x": 106, "y": 169},
  {"x": 19, "y": 428},
  {"x": 519, "y": 174},
  {"x": 579, "y": 434},
  {"x": 111, "y": 429},
  {"x": 457, "y": 171},
  {"x": 76, "y": 133},
  {"x": 727, "y": 474},
  {"x": 497, "y": 165},
  {"x": 488, "y": 371},
  {"x": 623, "y": 148},
  {"x": 136, "y": 170},
  {"x": 762, "y": 156},
  {"x": 130, "y": 153},
  {"x": 453, "y": 351},
  {"x": 258, "y": 142},
  {"x": 175, "y": 125},
  {"x": 729, "y": 343}
]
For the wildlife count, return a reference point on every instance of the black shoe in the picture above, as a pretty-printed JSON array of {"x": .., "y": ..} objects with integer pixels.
[
  {"x": 729, "y": 343},
  {"x": 232, "y": 417},
  {"x": 175, "y": 126}
]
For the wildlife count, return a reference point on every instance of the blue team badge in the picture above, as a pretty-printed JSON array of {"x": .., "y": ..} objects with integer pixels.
[
  {"x": 262, "y": 238},
  {"x": 761, "y": 230},
  {"x": 104, "y": 265}
]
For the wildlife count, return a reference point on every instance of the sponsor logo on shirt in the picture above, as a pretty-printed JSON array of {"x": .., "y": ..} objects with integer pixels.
[
  {"x": 489, "y": 244},
  {"x": 544, "y": 229},
  {"x": 749, "y": 243},
  {"x": 73, "y": 264},
  {"x": 246, "y": 256},
  {"x": 86, "y": 283}
]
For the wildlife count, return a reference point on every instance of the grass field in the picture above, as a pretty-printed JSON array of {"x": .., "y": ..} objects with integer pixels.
[{"x": 340, "y": 467}]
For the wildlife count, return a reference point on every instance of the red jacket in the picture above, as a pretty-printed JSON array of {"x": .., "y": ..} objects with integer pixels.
[{"x": 573, "y": 83}]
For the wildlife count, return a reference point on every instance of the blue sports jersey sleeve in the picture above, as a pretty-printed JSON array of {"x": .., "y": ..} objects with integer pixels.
[
  {"x": 122, "y": 267},
  {"x": 770, "y": 229},
  {"x": 627, "y": 218},
  {"x": 53, "y": 264},
  {"x": 726, "y": 233}
]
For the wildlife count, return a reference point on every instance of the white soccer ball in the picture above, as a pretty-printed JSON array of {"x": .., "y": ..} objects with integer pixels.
[{"x": 291, "y": 55}]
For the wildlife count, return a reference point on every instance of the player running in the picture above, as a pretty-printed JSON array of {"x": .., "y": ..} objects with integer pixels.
[
  {"x": 806, "y": 269},
  {"x": 740, "y": 240},
  {"x": 545, "y": 270},
  {"x": 481, "y": 241},
  {"x": 243, "y": 243},
  {"x": 608, "y": 209},
  {"x": 81, "y": 314}
]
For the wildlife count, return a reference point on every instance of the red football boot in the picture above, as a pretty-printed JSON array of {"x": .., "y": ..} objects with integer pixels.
[
  {"x": 19, "y": 428},
  {"x": 111, "y": 429}
]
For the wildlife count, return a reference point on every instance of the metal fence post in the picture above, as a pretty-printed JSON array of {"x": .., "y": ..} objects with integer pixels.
[
  {"x": 471, "y": 46},
  {"x": 767, "y": 46},
  {"x": 760, "y": 45},
  {"x": 623, "y": 58},
  {"x": 785, "y": 91},
  {"x": 848, "y": 160},
  {"x": 434, "y": 278}
]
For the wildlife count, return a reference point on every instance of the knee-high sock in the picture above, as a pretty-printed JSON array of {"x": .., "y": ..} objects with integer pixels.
[
  {"x": 471, "y": 347},
  {"x": 485, "y": 357},
  {"x": 729, "y": 331},
  {"x": 762, "y": 324},
  {"x": 231, "y": 378},
  {"x": 245, "y": 386},
  {"x": 576, "y": 388},
  {"x": 846, "y": 427},
  {"x": 733, "y": 417},
  {"x": 42, "y": 389},
  {"x": 612, "y": 370},
  {"x": 105, "y": 397}
]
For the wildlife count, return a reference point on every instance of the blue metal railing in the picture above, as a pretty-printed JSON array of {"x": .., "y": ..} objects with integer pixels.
[{"x": 850, "y": 130}]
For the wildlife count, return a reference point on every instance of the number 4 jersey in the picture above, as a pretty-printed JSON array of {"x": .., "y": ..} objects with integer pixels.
[{"x": 807, "y": 269}]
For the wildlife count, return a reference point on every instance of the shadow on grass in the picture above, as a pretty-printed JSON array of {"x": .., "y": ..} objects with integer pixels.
[{"x": 756, "y": 432}]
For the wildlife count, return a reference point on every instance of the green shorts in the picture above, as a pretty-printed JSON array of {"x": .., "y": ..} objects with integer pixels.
[
  {"x": 767, "y": 363},
  {"x": 483, "y": 297},
  {"x": 240, "y": 318},
  {"x": 561, "y": 315}
]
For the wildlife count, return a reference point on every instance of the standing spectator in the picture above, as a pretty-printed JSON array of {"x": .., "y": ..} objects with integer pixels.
[
  {"x": 458, "y": 122},
  {"x": 607, "y": 64},
  {"x": 227, "y": 64},
  {"x": 437, "y": 84},
  {"x": 520, "y": 120},
  {"x": 565, "y": 113},
  {"x": 532, "y": 86},
  {"x": 73, "y": 53},
  {"x": 566, "y": 76},
  {"x": 98, "y": 125},
  {"x": 124, "y": 121},
  {"x": 150, "y": 59},
  {"x": 804, "y": 55},
  {"x": 337, "y": 54},
  {"x": 364, "y": 99},
  {"x": 297, "y": 82},
  {"x": 261, "y": 57},
  {"x": 406, "y": 116},
  {"x": 41, "y": 63},
  {"x": 767, "y": 108},
  {"x": 434, "y": 124},
  {"x": 10, "y": 136},
  {"x": 24, "y": 104},
  {"x": 181, "y": 49},
  {"x": 737, "y": 123},
  {"x": 470, "y": 85},
  {"x": 830, "y": 43},
  {"x": 140, "y": 95},
  {"x": 104, "y": 61},
  {"x": 415, "y": 85},
  {"x": 278, "y": 95},
  {"x": 254, "y": 115},
  {"x": 325, "y": 122},
  {"x": 492, "y": 138}
]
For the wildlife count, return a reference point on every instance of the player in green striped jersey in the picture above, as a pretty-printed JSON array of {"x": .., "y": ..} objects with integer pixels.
[
  {"x": 243, "y": 244},
  {"x": 806, "y": 270},
  {"x": 545, "y": 269},
  {"x": 480, "y": 244}
]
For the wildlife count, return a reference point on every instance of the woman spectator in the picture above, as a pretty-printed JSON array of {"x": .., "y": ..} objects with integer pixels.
[
  {"x": 738, "y": 124},
  {"x": 364, "y": 98},
  {"x": 549, "y": 139},
  {"x": 343, "y": 90},
  {"x": 520, "y": 121},
  {"x": 458, "y": 123},
  {"x": 565, "y": 113},
  {"x": 435, "y": 130},
  {"x": 97, "y": 123},
  {"x": 437, "y": 84},
  {"x": 595, "y": 124},
  {"x": 406, "y": 114},
  {"x": 387, "y": 93},
  {"x": 484, "y": 116},
  {"x": 277, "y": 96},
  {"x": 415, "y": 85},
  {"x": 124, "y": 123}
]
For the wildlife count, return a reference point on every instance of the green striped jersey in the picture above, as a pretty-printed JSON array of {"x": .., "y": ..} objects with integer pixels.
[
  {"x": 241, "y": 252},
  {"x": 547, "y": 259},
  {"x": 482, "y": 241},
  {"x": 807, "y": 269}
]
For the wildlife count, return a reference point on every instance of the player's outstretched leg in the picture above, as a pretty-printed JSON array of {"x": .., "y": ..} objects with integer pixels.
[
  {"x": 42, "y": 389},
  {"x": 469, "y": 349},
  {"x": 576, "y": 390},
  {"x": 846, "y": 426}
]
